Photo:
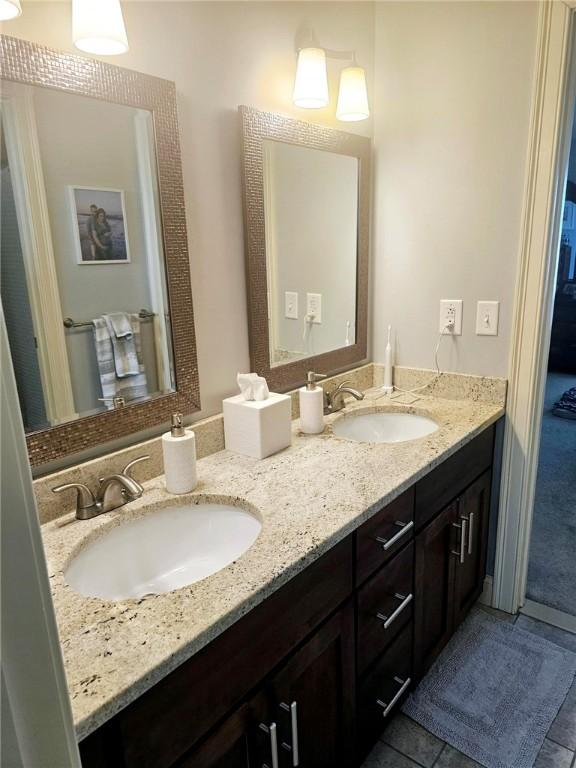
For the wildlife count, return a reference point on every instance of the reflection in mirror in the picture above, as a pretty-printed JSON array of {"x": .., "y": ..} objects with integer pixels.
[
  {"x": 311, "y": 226},
  {"x": 83, "y": 281}
]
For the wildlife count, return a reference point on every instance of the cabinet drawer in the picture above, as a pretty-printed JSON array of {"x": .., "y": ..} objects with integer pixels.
[
  {"x": 383, "y": 690},
  {"x": 443, "y": 484},
  {"x": 385, "y": 605},
  {"x": 384, "y": 535}
]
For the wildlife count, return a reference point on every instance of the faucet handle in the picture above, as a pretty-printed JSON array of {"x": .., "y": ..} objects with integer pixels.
[
  {"x": 84, "y": 496},
  {"x": 128, "y": 467}
]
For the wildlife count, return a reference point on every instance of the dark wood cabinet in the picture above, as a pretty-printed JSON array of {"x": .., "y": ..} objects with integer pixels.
[
  {"x": 243, "y": 738},
  {"x": 385, "y": 605},
  {"x": 313, "y": 698},
  {"x": 381, "y": 537},
  {"x": 382, "y": 690},
  {"x": 450, "y": 564},
  {"x": 318, "y": 667},
  {"x": 437, "y": 489},
  {"x": 435, "y": 566},
  {"x": 303, "y": 716},
  {"x": 473, "y": 514}
]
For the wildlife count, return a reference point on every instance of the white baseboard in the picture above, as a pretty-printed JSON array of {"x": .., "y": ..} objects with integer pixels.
[
  {"x": 486, "y": 596},
  {"x": 549, "y": 615}
]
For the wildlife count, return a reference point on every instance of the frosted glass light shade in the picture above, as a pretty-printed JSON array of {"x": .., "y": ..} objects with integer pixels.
[
  {"x": 9, "y": 9},
  {"x": 311, "y": 83},
  {"x": 352, "y": 95},
  {"x": 98, "y": 27}
]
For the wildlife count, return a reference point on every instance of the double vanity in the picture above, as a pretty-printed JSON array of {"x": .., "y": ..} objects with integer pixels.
[{"x": 279, "y": 614}]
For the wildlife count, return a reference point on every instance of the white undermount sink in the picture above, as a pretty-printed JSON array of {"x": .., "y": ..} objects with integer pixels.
[
  {"x": 163, "y": 550},
  {"x": 383, "y": 427}
]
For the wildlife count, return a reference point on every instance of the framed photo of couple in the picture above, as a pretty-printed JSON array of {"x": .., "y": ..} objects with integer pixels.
[{"x": 99, "y": 225}]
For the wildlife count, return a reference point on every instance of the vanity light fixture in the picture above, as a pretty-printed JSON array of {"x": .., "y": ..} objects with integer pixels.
[
  {"x": 98, "y": 27},
  {"x": 352, "y": 95},
  {"x": 9, "y": 9},
  {"x": 311, "y": 83}
]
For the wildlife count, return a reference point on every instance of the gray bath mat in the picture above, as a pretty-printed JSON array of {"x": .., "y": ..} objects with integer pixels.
[{"x": 494, "y": 692}]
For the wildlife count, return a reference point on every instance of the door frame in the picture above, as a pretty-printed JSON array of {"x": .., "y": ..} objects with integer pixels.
[
  {"x": 547, "y": 163},
  {"x": 23, "y": 149},
  {"x": 36, "y": 706}
]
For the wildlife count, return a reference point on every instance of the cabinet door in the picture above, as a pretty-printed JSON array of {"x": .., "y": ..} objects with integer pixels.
[
  {"x": 246, "y": 739},
  {"x": 434, "y": 588},
  {"x": 474, "y": 513},
  {"x": 313, "y": 698}
]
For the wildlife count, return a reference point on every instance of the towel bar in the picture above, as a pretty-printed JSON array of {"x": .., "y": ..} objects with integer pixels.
[{"x": 143, "y": 314}]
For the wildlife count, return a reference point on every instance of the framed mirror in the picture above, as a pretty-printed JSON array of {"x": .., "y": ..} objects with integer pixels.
[
  {"x": 307, "y": 210},
  {"x": 95, "y": 276}
]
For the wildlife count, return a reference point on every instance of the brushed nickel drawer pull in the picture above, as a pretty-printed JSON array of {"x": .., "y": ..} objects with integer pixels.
[
  {"x": 388, "y": 620},
  {"x": 387, "y": 707},
  {"x": 404, "y": 528},
  {"x": 293, "y": 748},
  {"x": 463, "y": 527},
  {"x": 470, "y": 532},
  {"x": 271, "y": 731}
]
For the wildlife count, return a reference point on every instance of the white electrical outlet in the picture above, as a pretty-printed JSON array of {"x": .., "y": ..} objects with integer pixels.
[
  {"x": 451, "y": 317},
  {"x": 487, "y": 318},
  {"x": 314, "y": 306},
  {"x": 291, "y": 305}
]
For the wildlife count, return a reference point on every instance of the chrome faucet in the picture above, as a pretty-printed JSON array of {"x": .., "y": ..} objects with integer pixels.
[
  {"x": 113, "y": 491},
  {"x": 334, "y": 400}
]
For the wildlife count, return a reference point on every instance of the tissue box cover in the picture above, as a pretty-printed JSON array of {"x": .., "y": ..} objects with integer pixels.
[{"x": 258, "y": 428}]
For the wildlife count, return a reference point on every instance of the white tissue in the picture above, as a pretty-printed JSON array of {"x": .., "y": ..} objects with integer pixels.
[
  {"x": 252, "y": 386},
  {"x": 260, "y": 388}
]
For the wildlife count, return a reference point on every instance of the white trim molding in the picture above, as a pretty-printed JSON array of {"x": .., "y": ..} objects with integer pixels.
[
  {"x": 549, "y": 616},
  {"x": 35, "y": 701},
  {"x": 486, "y": 596},
  {"x": 549, "y": 143}
]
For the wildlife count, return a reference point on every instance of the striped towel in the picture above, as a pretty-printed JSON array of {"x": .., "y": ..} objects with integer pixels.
[
  {"x": 123, "y": 344},
  {"x": 130, "y": 387}
]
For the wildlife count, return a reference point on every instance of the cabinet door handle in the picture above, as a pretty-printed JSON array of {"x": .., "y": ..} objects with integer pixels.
[
  {"x": 470, "y": 531},
  {"x": 388, "y": 620},
  {"x": 271, "y": 731},
  {"x": 292, "y": 709},
  {"x": 463, "y": 527},
  {"x": 404, "y": 528},
  {"x": 387, "y": 707}
]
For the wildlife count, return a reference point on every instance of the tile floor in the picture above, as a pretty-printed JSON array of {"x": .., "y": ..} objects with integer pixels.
[{"x": 405, "y": 744}]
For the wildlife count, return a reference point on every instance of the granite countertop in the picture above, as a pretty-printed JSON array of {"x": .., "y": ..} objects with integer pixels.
[{"x": 309, "y": 496}]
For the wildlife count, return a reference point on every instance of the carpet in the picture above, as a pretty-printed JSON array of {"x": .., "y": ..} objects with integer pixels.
[
  {"x": 494, "y": 692},
  {"x": 552, "y": 562}
]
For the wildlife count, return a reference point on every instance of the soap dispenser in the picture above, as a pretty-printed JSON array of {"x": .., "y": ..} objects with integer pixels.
[
  {"x": 179, "y": 451},
  {"x": 312, "y": 405}
]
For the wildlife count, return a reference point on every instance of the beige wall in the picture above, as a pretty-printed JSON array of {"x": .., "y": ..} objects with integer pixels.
[
  {"x": 220, "y": 55},
  {"x": 452, "y": 94}
]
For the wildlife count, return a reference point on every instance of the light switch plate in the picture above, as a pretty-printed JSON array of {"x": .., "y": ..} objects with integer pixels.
[
  {"x": 451, "y": 310},
  {"x": 291, "y": 305},
  {"x": 487, "y": 313},
  {"x": 314, "y": 306}
]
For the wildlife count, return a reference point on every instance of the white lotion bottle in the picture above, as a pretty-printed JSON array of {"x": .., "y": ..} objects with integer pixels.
[
  {"x": 179, "y": 452},
  {"x": 312, "y": 405},
  {"x": 388, "y": 366}
]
